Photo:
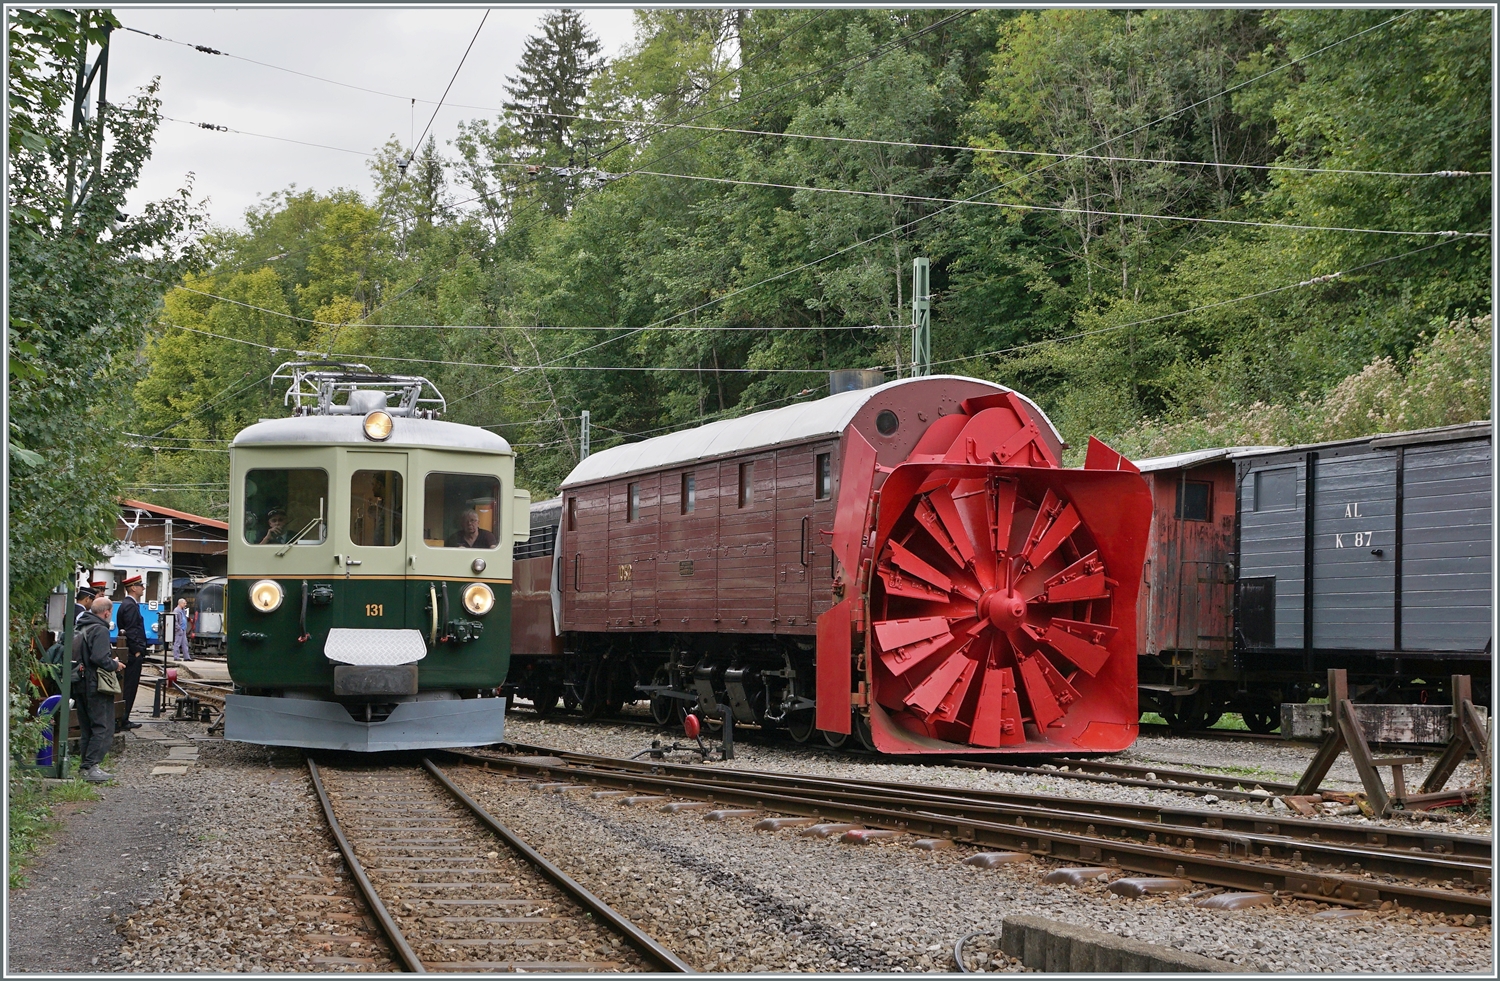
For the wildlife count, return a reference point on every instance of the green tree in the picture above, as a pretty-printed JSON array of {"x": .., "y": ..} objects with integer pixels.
[{"x": 548, "y": 88}]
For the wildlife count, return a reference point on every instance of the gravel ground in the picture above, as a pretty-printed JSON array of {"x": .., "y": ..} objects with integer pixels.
[
  {"x": 1270, "y": 760},
  {"x": 228, "y": 868}
]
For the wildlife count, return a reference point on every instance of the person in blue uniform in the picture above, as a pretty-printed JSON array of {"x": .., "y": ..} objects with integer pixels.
[{"x": 132, "y": 628}]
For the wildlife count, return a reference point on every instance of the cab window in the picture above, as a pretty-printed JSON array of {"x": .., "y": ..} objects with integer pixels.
[
  {"x": 461, "y": 510},
  {"x": 375, "y": 508},
  {"x": 283, "y": 505}
]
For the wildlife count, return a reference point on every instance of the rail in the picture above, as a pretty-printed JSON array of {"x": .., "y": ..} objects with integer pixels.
[
  {"x": 424, "y": 809},
  {"x": 1215, "y": 847}
]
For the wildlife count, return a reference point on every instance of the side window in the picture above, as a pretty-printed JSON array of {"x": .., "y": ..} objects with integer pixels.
[
  {"x": 572, "y": 514},
  {"x": 375, "y": 498},
  {"x": 823, "y": 479},
  {"x": 281, "y": 505},
  {"x": 1276, "y": 490},
  {"x": 633, "y": 505},
  {"x": 461, "y": 510},
  {"x": 1193, "y": 500},
  {"x": 747, "y": 484},
  {"x": 689, "y": 493}
]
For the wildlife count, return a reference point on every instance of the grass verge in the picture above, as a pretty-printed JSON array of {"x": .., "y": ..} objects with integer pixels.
[{"x": 32, "y": 821}]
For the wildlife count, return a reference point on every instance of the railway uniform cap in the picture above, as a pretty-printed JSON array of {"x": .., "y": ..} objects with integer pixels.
[
  {"x": 99, "y": 586},
  {"x": 132, "y": 581},
  {"x": 276, "y": 511},
  {"x": 86, "y": 592}
]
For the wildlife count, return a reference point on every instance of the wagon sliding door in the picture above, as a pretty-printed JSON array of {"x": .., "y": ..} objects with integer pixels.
[{"x": 1354, "y": 551}]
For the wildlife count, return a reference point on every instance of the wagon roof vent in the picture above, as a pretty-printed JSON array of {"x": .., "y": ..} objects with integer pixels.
[{"x": 339, "y": 388}]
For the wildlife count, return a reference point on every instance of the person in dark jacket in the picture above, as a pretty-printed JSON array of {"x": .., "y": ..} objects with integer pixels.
[
  {"x": 132, "y": 627},
  {"x": 96, "y": 710}
]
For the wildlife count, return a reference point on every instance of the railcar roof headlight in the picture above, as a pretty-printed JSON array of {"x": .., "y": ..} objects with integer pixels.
[
  {"x": 378, "y": 425},
  {"x": 478, "y": 598},
  {"x": 266, "y": 595}
]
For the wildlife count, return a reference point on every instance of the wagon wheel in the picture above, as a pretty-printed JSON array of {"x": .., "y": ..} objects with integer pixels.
[
  {"x": 861, "y": 726},
  {"x": 993, "y": 609},
  {"x": 598, "y": 702},
  {"x": 801, "y": 725},
  {"x": 662, "y": 709},
  {"x": 1261, "y": 720},
  {"x": 835, "y": 739},
  {"x": 1191, "y": 714},
  {"x": 544, "y": 698}
]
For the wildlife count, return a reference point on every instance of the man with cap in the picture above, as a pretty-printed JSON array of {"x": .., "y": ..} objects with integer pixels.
[
  {"x": 133, "y": 631},
  {"x": 81, "y": 601},
  {"x": 276, "y": 534}
]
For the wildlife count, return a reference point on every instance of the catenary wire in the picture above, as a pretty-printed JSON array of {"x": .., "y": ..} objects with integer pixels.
[
  {"x": 450, "y": 85},
  {"x": 1040, "y": 207},
  {"x": 219, "y": 128}
]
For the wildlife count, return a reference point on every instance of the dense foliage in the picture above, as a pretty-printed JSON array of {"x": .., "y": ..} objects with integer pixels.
[
  {"x": 1121, "y": 253},
  {"x": 84, "y": 280}
]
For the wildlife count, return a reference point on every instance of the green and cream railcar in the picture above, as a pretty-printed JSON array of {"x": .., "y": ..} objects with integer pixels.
[{"x": 368, "y": 602}]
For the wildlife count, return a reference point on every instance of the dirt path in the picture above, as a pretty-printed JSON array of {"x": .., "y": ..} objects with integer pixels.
[{"x": 109, "y": 854}]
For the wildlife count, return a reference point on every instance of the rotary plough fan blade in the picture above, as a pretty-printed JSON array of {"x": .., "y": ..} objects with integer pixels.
[{"x": 992, "y": 607}]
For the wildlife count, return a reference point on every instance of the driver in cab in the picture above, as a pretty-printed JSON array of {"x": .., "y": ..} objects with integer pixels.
[
  {"x": 276, "y": 534},
  {"x": 469, "y": 534}
]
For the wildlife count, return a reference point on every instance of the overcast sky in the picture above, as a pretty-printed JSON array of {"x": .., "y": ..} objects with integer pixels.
[{"x": 409, "y": 51}]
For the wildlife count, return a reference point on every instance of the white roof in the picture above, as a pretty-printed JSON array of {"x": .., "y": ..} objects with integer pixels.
[
  {"x": 1192, "y": 458},
  {"x": 793, "y": 423},
  {"x": 405, "y": 432}
]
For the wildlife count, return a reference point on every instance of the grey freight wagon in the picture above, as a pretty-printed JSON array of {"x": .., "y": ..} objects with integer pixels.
[{"x": 1370, "y": 554}]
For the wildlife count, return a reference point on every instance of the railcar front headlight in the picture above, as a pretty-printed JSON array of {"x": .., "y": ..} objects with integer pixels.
[
  {"x": 266, "y": 596},
  {"x": 478, "y": 598},
  {"x": 378, "y": 425}
]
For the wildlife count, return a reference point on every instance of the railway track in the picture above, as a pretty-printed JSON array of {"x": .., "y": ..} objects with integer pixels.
[
  {"x": 456, "y": 891},
  {"x": 1224, "y": 786},
  {"x": 1325, "y": 861}
]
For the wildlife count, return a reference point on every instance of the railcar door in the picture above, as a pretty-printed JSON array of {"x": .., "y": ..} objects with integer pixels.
[
  {"x": 794, "y": 535},
  {"x": 372, "y": 529}
]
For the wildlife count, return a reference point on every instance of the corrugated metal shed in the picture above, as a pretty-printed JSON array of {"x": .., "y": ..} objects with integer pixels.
[{"x": 793, "y": 423}]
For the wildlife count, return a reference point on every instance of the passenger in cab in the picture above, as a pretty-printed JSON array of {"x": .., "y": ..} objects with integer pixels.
[{"x": 469, "y": 534}]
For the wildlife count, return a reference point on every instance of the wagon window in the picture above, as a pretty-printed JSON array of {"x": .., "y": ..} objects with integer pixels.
[
  {"x": 460, "y": 510},
  {"x": 1276, "y": 490},
  {"x": 689, "y": 493},
  {"x": 375, "y": 508},
  {"x": 633, "y": 505},
  {"x": 747, "y": 484},
  {"x": 281, "y": 503},
  {"x": 572, "y": 514},
  {"x": 1193, "y": 500},
  {"x": 824, "y": 485}
]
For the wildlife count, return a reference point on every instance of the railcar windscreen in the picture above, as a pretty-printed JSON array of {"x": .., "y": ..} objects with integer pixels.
[
  {"x": 461, "y": 510},
  {"x": 375, "y": 498},
  {"x": 281, "y": 503}
]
